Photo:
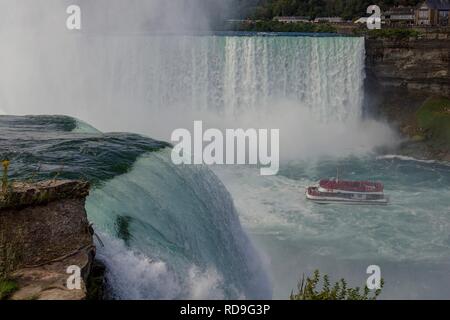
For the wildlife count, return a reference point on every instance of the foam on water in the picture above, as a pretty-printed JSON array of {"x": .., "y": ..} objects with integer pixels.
[
  {"x": 184, "y": 227},
  {"x": 404, "y": 158},
  {"x": 183, "y": 230},
  {"x": 133, "y": 275},
  {"x": 409, "y": 238}
]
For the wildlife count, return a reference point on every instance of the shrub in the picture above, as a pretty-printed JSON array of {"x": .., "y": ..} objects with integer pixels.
[
  {"x": 5, "y": 183},
  {"x": 307, "y": 290},
  {"x": 434, "y": 118},
  {"x": 394, "y": 33},
  {"x": 276, "y": 26},
  {"x": 7, "y": 288}
]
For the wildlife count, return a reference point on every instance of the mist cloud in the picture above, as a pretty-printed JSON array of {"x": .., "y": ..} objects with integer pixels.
[{"x": 173, "y": 16}]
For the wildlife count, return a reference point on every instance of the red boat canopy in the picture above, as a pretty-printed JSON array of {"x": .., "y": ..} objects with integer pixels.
[{"x": 355, "y": 186}]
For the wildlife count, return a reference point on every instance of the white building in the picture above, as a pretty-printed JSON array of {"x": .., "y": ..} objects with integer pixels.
[
  {"x": 328, "y": 20},
  {"x": 292, "y": 19}
]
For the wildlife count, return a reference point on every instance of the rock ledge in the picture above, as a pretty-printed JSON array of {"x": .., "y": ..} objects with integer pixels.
[{"x": 43, "y": 230}]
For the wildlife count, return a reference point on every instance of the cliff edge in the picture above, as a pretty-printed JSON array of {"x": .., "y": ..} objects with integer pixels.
[
  {"x": 408, "y": 84},
  {"x": 414, "y": 64},
  {"x": 43, "y": 231}
]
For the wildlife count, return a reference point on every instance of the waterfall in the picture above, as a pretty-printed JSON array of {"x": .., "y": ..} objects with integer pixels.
[
  {"x": 167, "y": 231},
  {"x": 122, "y": 82}
]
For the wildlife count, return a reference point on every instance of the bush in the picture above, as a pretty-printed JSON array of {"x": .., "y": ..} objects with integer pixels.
[
  {"x": 276, "y": 26},
  {"x": 434, "y": 118},
  {"x": 307, "y": 290},
  {"x": 7, "y": 288},
  {"x": 396, "y": 34}
]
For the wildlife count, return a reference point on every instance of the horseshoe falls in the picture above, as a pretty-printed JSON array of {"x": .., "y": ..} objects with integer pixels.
[
  {"x": 166, "y": 231},
  {"x": 225, "y": 231},
  {"x": 120, "y": 83}
]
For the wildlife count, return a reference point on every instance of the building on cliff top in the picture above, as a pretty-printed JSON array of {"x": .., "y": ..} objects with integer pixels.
[
  {"x": 329, "y": 20},
  {"x": 400, "y": 16},
  {"x": 292, "y": 19},
  {"x": 432, "y": 13}
]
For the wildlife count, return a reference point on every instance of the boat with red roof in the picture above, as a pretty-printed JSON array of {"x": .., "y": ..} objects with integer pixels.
[{"x": 347, "y": 192}]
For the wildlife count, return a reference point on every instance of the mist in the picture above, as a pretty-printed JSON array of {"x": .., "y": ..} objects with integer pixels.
[
  {"x": 109, "y": 16},
  {"x": 47, "y": 69},
  {"x": 123, "y": 72}
]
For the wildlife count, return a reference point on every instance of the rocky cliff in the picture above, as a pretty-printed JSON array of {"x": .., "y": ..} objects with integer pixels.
[
  {"x": 413, "y": 64},
  {"x": 402, "y": 76},
  {"x": 44, "y": 230}
]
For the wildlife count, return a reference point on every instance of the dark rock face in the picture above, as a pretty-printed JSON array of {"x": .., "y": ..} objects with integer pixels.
[
  {"x": 22, "y": 194},
  {"x": 413, "y": 64},
  {"x": 400, "y": 75},
  {"x": 43, "y": 230}
]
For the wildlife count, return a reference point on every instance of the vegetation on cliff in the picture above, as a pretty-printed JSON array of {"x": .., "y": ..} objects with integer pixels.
[
  {"x": 308, "y": 290},
  {"x": 7, "y": 288},
  {"x": 348, "y": 9},
  {"x": 7, "y": 253},
  {"x": 433, "y": 119},
  {"x": 276, "y": 26},
  {"x": 43, "y": 229},
  {"x": 393, "y": 34}
]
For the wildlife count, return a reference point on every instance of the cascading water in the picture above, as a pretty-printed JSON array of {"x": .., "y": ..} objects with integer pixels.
[
  {"x": 306, "y": 86},
  {"x": 121, "y": 83},
  {"x": 169, "y": 232},
  {"x": 238, "y": 76},
  {"x": 184, "y": 225},
  {"x": 181, "y": 221},
  {"x": 178, "y": 225}
]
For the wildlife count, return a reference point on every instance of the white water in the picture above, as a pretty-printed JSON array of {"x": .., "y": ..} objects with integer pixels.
[
  {"x": 231, "y": 76},
  {"x": 134, "y": 275},
  {"x": 311, "y": 89},
  {"x": 408, "y": 239},
  {"x": 186, "y": 238}
]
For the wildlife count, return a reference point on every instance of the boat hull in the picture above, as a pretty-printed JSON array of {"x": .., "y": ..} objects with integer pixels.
[
  {"x": 350, "y": 202},
  {"x": 313, "y": 195}
]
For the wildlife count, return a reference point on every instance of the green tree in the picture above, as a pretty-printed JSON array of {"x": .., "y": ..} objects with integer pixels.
[{"x": 347, "y": 9}]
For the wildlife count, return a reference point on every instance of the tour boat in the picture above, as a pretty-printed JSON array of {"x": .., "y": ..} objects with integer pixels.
[{"x": 347, "y": 192}]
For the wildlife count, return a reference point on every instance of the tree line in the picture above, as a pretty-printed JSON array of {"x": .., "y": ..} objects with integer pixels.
[{"x": 347, "y": 9}]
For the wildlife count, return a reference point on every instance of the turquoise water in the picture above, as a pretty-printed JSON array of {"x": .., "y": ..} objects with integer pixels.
[
  {"x": 409, "y": 239},
  {"x": 181, "y": 227},
  {"x": 182, "y": 237}
]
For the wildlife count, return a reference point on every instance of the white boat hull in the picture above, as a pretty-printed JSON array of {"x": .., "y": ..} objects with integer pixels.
[
  {"x": 328, "y": 200},
  {"x": 344, "y": 191}
]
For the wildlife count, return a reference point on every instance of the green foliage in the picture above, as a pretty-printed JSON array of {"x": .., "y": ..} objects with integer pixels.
[
  {"x": 394, "y": 33},
  {"x": 5, "y": 183},
  {"x": 434, "y": 118},
  {"x": 308, "y": 290},
  {"x": 7, "y": 288},
  {"x": 276, "y": 26},
  {"x": 347, "y": 9},
  {"x": 7, "y": 264},
  {"x": 9, "y": 256}
]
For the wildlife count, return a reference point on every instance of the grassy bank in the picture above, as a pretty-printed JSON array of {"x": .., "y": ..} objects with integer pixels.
[
  {"x": 388, "y": 33},
  {"x": 433, "y": 117},
  {"x": 276, "y": 26}
]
